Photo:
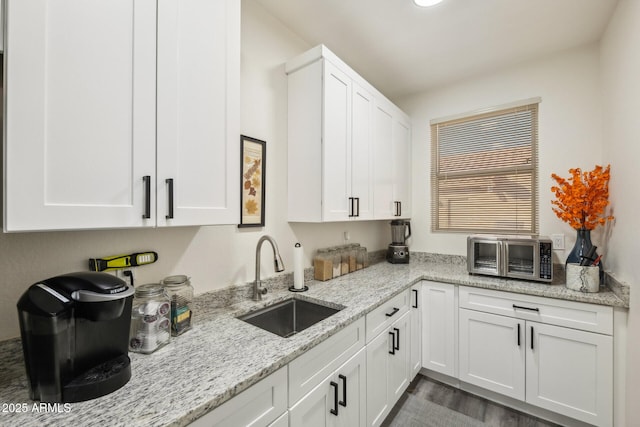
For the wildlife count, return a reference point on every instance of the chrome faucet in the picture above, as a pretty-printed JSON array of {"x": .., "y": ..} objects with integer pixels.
[{"x": 258, "y": 290}]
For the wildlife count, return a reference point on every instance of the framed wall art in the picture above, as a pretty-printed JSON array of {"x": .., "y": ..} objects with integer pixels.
[{"x": 253, "y": 156}]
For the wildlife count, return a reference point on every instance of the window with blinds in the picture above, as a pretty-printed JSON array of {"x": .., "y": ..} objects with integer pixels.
[{"x": 484, "y": 171}]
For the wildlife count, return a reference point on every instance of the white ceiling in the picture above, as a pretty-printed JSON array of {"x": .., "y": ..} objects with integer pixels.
[{"x": 403, "y": 49}]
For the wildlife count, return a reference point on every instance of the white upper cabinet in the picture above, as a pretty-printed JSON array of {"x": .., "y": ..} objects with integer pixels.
[
  {"x": 80, "y": 115},
  {"x": 391, "y": 162},
  {"x": 198, "y": 112},
  {"x": 333, "y": 138}
]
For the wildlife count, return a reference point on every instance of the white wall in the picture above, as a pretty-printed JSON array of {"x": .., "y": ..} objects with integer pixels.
[
  {"x": 620, "y": 63},
  {"x": 214, "y": 257},
  {"x": 570, "y": 132}
]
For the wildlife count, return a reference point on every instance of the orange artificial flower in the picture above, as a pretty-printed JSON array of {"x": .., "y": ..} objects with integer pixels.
[{"x": 582, "y": 199}]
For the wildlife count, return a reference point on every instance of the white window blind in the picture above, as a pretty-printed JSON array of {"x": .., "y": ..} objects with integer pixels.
[{"x": 484, "y": 172}]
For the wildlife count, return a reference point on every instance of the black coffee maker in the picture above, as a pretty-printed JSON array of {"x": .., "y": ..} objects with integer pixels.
[{"x": 75, "y": 334}]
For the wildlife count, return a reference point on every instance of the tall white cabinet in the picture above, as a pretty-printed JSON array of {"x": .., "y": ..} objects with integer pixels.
[
  {"x": 339, "y": 167},
  {"x": 80, "y": 117}
]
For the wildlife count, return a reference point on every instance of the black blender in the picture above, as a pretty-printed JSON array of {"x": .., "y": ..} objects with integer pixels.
[{"x": 398, "y": 252}]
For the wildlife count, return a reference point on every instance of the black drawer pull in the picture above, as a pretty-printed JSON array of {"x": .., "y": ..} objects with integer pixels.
[
  {"x": 343, "y": 402},
  {"x": 169, "y": 182},
  {"x": 415, "y": 292},
  {"x": 393, "y": 343},
  {"x": 532, "y": 338},
  {"x": 146, "y": 181},
  {"x": 357, "y": 206},
  {"x": 395, "y": 310},
  {"x": 519, "y": 307},
  {"x": 351, "y": 210},
  {"x": 398, "y": 332},
  {"x": 518, "y": 334},
  {"x": 334, "y": 411}
]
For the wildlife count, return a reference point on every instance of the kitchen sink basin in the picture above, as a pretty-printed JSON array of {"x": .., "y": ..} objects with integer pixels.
[{"x": 288, "y": 317}]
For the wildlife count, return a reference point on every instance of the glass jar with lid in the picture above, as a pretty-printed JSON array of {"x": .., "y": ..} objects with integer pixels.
[
  {"x": 150, "y": 322},
  {"x": 180, "y": 292}
]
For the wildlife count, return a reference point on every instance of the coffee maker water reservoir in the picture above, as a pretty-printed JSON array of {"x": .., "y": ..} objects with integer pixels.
[{"x": 75, "y": 335}]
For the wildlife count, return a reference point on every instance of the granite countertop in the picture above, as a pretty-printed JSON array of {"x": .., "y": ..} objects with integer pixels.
[{"x": 222, "y": 356}]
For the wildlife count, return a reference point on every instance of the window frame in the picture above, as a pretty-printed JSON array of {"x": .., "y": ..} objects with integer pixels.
[{"x": 531, "y": 104}]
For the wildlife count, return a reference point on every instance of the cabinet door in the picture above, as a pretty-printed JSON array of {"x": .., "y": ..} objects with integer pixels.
[
  {"x": 378, "y": 372},
  {"x": 416, "y": 330},
  {"x": 570, "y": 372},
  {"x": 313, "y": 410},
  {"x": 80, "y": 114},
  {"x": 383, "y": 207},
  {"x": 492, "y": 352},
  {"x": 198, "y": 112},
  {"x": 336, "y": 144},
  {"x": 402, "y": 165},
  {"x": 399, "y": 361},
  {"x": 352, "y": 391},
  {"x": 361, "y": 152},
  {"x": 439, "y": 328},
  {"x": 340, "y": 400}
]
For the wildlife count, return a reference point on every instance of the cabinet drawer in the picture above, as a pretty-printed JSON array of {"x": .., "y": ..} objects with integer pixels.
[
  {"x": 312, "y": 367},
  {"x": 570, "y": 314},
  {"x": 379, "y": 319}
]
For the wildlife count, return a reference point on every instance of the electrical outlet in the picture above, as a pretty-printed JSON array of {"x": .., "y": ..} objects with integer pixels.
[
  {"x": 346, "y": 236},
  {"x": 558, "y": 241}
]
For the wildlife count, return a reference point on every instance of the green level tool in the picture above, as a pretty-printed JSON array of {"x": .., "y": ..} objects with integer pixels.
[{"x": 118, "y": 262}]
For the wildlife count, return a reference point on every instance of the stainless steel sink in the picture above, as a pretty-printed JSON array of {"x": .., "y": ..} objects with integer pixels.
[{"x": 289, "y": 317}]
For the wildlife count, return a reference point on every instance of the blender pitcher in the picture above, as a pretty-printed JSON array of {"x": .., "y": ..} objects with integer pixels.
[{"x": 400, "y": 231}]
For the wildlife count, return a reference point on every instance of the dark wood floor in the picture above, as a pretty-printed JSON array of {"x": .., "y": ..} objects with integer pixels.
[{"x": 482, "y": 410}]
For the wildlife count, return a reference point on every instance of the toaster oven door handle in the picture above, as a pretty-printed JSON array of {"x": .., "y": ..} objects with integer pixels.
[
  {"x": 88, "y": 296},
  {"x": 502, "y": 256}
]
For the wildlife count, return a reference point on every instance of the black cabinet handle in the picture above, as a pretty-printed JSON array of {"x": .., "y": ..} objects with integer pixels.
[
  {"x": 169, "y": 182},
  {"x": 519, "y": 307},
  {"x": 532, "y": 338},
  {"x": 334, "y": 411},
  {"x": 343, "y": 402},
  {"x": 415, "y": 292},
  {"x": 399, "y": 208},
  {"x": 395, "y": 310},
  {"x": 351, "y": 215},
  {"x": 518, "y": 334},
  {"x": 398, "y": 332},
  {"x": 393, "y": 343},
  {"x": 357, "y": 206},
  {"x": 146, "y": 181}
]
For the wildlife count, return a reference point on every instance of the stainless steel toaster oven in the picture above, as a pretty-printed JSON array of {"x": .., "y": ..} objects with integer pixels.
[{"x": 519, "y": 257}]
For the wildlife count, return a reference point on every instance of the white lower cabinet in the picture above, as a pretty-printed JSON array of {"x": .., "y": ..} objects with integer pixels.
[
  {"x": 260, "y": 405},
  {"x": 570, "y": 372},
  {"x": 565, "y": 370},
  {"x": 388, "y": 369},
  {"x": 492, "y": 352},
  {"x": 439, "y": 333},
  {"x": 416, "y": 330},
  {"x": 339, "y": 400}
]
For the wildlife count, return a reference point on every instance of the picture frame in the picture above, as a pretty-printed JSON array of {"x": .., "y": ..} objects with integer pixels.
[{"x": 253, "y": 155}]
